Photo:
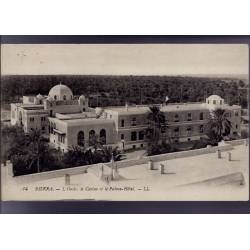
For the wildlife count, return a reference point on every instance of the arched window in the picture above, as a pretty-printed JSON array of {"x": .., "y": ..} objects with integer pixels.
[
  {"x": 64, "y": 97},
  {"x": 55, "y": 97},
  {"x": 92, "y": 137},
  {"x": 201, "y": 116},
  {"x": 103, "y": 136},
  {"x": 80, "y": 138}
]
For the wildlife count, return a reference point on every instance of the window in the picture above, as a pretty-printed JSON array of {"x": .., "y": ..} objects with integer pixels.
[
  {"x": 207, "y": 101},
  {"x": 42, "y": 118},
  {"x": 40, "y": 102},
  {"x": 176, "y": 118},
  {"x": 189, "y": 130},
  {"x": 61, "y": 138},
  {"x": 236, "y": 113},
  {"x": 189, "y": 139},
  {"x": 236, "y": 126},
  {"x": 133, "y": 136},
  {"x": 80, "y": 138},
  {"x": 189, "y": 117},
  {"x": 103, "y": 136},
  {"x": 220, "y": 102},
  {"x": 122, "y": 123},
  {"x": 32, "y": 119},
  {"x": 201, "y": 129},
  {"x": 201, "y": 116},
  {"x": 134, "y": 146},
  {"x": 54, "y": 127},
  {"x": 50, "y": 113},
  {"x": 122, "y": 136},
  {"x": 141, "y": 145},
  {"x": 43, "y": 128},
  {"x": 83, "y": 110},
  {"x": 176, "y": 132},
  {"x": 64, "y": 97},
  {"x": 214, "y": 101},
  {"x": 133, "y": 121},
  {"x": 141, "y": 135},
  {"x": 92, "y": 137},
  {"x": 55, "y": 97}
]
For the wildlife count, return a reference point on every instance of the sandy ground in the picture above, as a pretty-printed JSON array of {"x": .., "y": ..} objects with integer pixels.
[{"x": 183, "y": 181}]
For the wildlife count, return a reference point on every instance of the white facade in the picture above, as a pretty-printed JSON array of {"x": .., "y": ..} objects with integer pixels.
[{"x": 69, "y": 121}]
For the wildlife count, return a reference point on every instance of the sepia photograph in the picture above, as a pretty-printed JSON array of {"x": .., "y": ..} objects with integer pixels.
[{"x": 125, "y": 122}]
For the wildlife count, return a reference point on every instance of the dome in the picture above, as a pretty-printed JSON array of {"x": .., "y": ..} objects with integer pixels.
[
  {"x": 214, "y": 97},
  {"x": 215, "y": 100},
  {"x": 61, "y": 92}
]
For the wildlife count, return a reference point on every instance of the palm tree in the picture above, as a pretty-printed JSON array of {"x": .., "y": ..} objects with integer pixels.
[
  {"x": 38, "y": 148},
  {"x": 109, "y": 153},
  {"x": 220, "y": 126},
  {"x": 157, "y": 122}
]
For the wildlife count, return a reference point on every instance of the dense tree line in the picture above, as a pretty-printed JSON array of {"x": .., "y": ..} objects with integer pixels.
[{"x": 116, "y": 90}]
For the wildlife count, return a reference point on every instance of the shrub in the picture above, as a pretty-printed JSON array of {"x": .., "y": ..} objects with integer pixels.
[{"x": 244, "y": 134}]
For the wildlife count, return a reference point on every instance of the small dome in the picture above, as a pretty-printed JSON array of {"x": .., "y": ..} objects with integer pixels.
[
  {"x": 61, "y": 92},
  {"x": 215, "y": 100},
  {"x": 39, "y": 96},
  {"x": 82, "y": 97},
  {"x": 214, "y": 97}
]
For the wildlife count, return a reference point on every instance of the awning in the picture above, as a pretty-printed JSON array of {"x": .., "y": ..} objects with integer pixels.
[{"x": 58, "y": 131}]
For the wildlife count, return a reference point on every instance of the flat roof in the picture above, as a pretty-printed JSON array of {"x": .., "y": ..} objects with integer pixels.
[
  {"x": 83, "y": 115},
  {"x": 172, "y": 107},
  {"x": 84, "y": 121},
  {"x": 175, "y": 184}
]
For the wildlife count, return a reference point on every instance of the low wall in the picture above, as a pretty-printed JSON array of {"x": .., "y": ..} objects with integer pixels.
[
  {"x": 189, "y": 153},
  {"x": 237, "y": 142},
  {"x": 128, "y": 163},
  {"x": 50, "y": 174},
  {"x": 93, "y": 169}
]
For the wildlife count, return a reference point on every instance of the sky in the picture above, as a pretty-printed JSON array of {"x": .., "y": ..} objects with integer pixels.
[{"x": 124, "y": 59}]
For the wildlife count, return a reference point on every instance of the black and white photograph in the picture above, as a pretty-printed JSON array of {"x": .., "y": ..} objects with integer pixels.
[{"x": 125, "y": 122}]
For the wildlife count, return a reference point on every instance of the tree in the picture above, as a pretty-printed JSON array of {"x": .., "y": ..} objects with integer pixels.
[
  {"x": 13, "y": 142},
  {"x": 109, "y": 152},
  {"x": 157, "y": 124},
  {"x": 38, "y": 148},
  {"x": 220, "y": 125},
  {"x": 75, "y": 156}
]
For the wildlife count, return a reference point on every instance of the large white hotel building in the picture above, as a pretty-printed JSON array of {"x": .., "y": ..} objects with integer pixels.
[{"x": 69, "y": 121}]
